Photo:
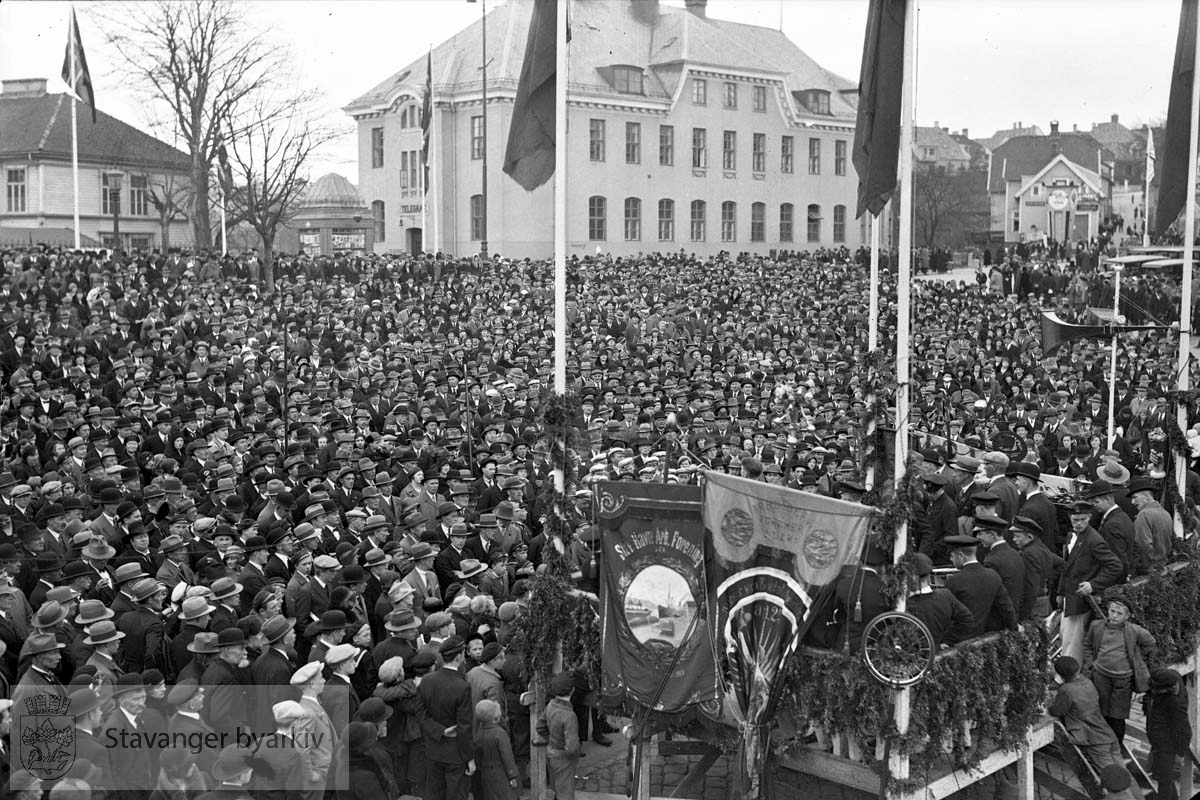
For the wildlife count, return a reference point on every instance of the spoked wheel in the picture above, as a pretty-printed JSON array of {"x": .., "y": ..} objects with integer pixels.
[{"x": 898, "y": 649}]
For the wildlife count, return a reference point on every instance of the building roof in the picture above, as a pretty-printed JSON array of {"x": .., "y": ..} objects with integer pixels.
[
  {"x": 659, "y": 39},
  {"x": 1027, "y": 155},
  {"x": 1089, "y": 177},
  {"x": 1001, "y": 136},
  {"x": 331, "y": 191},
  {"x": 946, "y": 147},
  {"x": 41, "y": 125}
]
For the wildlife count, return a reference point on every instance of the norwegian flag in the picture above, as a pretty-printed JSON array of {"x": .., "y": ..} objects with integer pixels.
[{"x": 75, "y": 69}]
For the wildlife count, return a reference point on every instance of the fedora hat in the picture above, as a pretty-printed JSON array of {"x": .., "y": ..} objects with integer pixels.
[
  {"x": 91, "y": 612},
  {"x": 375, "y": 558},
  {"x": 276, "y": 628},
  {"x": 421, "y": 550},
  {"x": 39, "y": 643},
  {"x": 98, "y": 550},
  {"x": 144, "y": 589},
  {"x": 195, "y": 607},
  {"x": 171, "y": 544},
  {"x": 469, "y": 568},
  {"x": 205, "y": 643},
  {"x": 102, "y": 633},
  {"x": 375, "y": 522},
  {"x": 1142, "y": 484},
  {"x": 1100, "y": 488},
  {"x": 225, "y": 587},
  {"x": 127, "y": 573},
  {"x": 1027, "y": 470},
  {"x": 50, "y": 614},
  {"x": 1113, "y": 472},
  {"x": 399, "y": 621}
]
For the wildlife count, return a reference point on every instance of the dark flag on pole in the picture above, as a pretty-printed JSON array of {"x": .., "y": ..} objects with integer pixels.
[
  {"x": 1172, "y": 187},
  {"x": 75, "y": 69},
  {"x": 426, "y": 119},
  {"x": 880, "y": 88},
  {"x": 529, "y": 155},
  {"x": 1056, "y": 332}
]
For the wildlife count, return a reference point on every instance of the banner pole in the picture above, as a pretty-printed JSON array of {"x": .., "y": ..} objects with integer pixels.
[
  {"x": 1185, "y": 299},
  {"x": 1112, "y": 369}
]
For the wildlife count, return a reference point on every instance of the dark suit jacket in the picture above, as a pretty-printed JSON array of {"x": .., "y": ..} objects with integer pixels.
[
  {"x": 253, "y": 580},
  {"x": 447, "y": 698},
  {"x": 272, "y": 673},
  {"x": 1040, "y": 509},
  {"x": 130, "y": 775},
  {"x": 227, "y": 699},
  {"x": 341, "y": 702},
  {"x": 982, "y": 591},
  {"x": 1093, "y": 561},
  {"x": 1117, "y": 530},
  {"x": 1010, "y": 499},
  {"x": 1008, "y": 565},
  {"x": 188, "y": 726},
  {"x": 1042, "y": 568}
]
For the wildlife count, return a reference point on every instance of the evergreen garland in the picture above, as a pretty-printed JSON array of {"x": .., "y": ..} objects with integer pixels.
[{"x": 1166, "y": 602}]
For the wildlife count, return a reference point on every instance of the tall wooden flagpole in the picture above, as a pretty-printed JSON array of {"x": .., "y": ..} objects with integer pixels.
[
  {"x": 560, "y": 199},
  {"x": 74, "y": 132}
]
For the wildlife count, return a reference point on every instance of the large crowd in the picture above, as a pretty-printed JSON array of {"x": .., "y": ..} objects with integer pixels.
[{"x": 320, "y": 508}]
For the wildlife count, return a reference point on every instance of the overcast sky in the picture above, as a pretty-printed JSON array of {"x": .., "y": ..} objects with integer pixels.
[{"x": 982, "y": 64}]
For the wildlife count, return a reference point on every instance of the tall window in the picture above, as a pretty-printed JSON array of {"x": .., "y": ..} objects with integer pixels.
[
  {"x": 596, "y": 139},
  {"x": 633, "y": 142},
  {"x": 814, "y": 223},
  {"x": 699, "y": 92},
  {"x": 107, "y": 195},
  {"x": 730, "y": 95},
  {"x": 477, "y": 138},
  {"x": 787, "y": 152},
  {"x": 699, "y": 212},
  {"x": 376, "y": 148},
  {"x": 139, "y": 202},
  {"x": 666, "y": 145},
  {"x": 729, "y": 221},
  {"x": 729, "y": 150},
  {"x": 414, "y": 168},
  {"x": 633, "y": 219},
  {"x": 377, "y": 216},
  {"x": 760, "y": 98},
  {"x": 14, "y": 190},
  {"x": 839, "y": 224},
  {"x": 627, "y": 80},
  {"x": 597, "y": 218},
  {"x": 839, "y": 157},
  {"x": 786, "y": 216},
  {"x": 699, "y": 148},
  {"x": 404, "y": 170},
  {"x": 814, "y": 156},
  {"x": 666, "y": 220},
  {"x": 758, "y": 222},
  {"x": 476, "y": 217},
  {"x": 759, "y": 161}
]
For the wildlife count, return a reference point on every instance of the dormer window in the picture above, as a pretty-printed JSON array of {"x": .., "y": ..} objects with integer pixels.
[
  {"x": 627, "y": 80},
  {"x": 815, "y": 101}
]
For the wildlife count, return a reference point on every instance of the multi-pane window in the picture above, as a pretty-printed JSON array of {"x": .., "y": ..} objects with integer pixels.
[
  {"x": 139, "y": 201},
  {"x": 758, "y": 222},
  {"x": 839, "y": 157},
  {"x": 814, "y": 223},
  {"x": 787, "y": 151},
  {"x": 730, "y": 94},
  {"x": 404, "y": 170},
  {"x": 108, "y": 195},
  {"x": 839, "y": 224},
  {"x": 760, "y": 98},
  {"x": 729, "y": 150},
  {"x": 666, "y": 220},
  {"x": 596, "y": 139},
  {"x": 759, "y": 153},
  {"x": 597, "y": 218},
  {"x": 699, "y": 148},
  {"x": 729, "y": 221},
  {"x": 699, "y": 212},
  {"x": 376, "y": 147},
  {"x": 786, "y": 217},
  {"x": 14, "y": 190},
  {"x": 627, "y": 80},
  {"x": 814, "y": 156},
  {"x": 379, "y": 218},
  {"x": 699, "y": 92},
  {"x": 477, "y": 138},
  {"x": 633, "y": 219},
  {"x": 666, "y": 145},
  {"x": 633, "y": 142},
  {"x": 414, "y": 168},
  {"x": 476, "y": 217}
]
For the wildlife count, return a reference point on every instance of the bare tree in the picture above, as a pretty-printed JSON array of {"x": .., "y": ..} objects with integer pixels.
[
  {"x": 170, "y": 197},
  {"x": 264, "y": 166},
  {"x": 948, "y": 205},
  {"x": 201, "y": 60}
]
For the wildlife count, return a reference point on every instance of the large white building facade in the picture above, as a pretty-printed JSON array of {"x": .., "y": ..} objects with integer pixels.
[{"x": 686, "y": 133}]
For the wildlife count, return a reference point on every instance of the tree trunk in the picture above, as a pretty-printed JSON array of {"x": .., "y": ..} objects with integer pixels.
[
  {"x": 268, "y": 261},
  {"x": 201, "y": 222},
  {"x": 164, "y": 223}
]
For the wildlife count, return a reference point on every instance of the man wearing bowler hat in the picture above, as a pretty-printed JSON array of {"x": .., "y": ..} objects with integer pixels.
[
  {"x": 1001, "y": 557},
  {"x": 1037, "y": 506},
  {"x": 132, "y": 774},
  {"x": 1042, "y": 568},
  {"x": 1153, "y": 529},
  {"x": 1115, "y": 527},
  {"x": 447, "y": 726},
  {"x": 272, "y": 670},
  {"x": 228, "y": 702},
  {"x": 978, "y": 588}
]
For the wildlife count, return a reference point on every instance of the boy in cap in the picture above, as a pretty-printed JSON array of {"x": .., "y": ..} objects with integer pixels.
[
  {"x": 1077, "y": 706},
  {"x": 1115, "y": 651},
  {"x": 559, "y": 729}
]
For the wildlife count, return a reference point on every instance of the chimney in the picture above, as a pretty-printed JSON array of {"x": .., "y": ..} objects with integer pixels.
[
  {"x": 937, "y": 124},
  {"x": 1054, "y": 127},
  {"x": 1114, "y": 119},
  {"x": 23, "y": 87},
  {"x": 697, "y": 7},
  {"x": 1020, "y": 124},
  {"x": 965, "y": 135},
  {"x": 645, "y": 11}
]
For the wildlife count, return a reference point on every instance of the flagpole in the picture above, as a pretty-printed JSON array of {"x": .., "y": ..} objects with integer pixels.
[
  {"x": 74, "y": 130},
  {"x": 1185, "y": 299},
  {"x": 1146, "y": 191},
  {"x": 898, "y": 763},
  {"x": 434, "y": 216},
  {"x": 1112, "y": 369},
  {"x": 224, "y": 233},
  {"x": 560, "y": 198},
  {"x": 872, "y": 340}
]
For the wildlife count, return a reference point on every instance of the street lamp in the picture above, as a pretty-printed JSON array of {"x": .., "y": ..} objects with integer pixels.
[{"x": 114, "y": 199}]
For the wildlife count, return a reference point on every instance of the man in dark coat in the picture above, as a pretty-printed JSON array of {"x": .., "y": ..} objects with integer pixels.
[
  {"x": 1116, "y": 527},
  {"x": 447, "y": 726},
  {"x": 939, "y": 609},
  {"x": 187, "y": 698},
  {"x": 1042, "y": 568},
  {"x": 1091, "y": 568},
  {"x": 979, "y": 589},
  {"x": 272, "y": 671},
  {"x": 941, "y": 519},
  {"x": 144, "y": 645},
  {"x": 857, "y": 598},
  {"x": 195, "y": 615},
  {"x": 228, "y": 702},
  {"x": 86, "y": 708},
  {"x": 1037, "y": 506},
  {"x": 1001, "y": 557},
  {"x": 132, "y": 775},
  {"x": 1168, "y": 728}
]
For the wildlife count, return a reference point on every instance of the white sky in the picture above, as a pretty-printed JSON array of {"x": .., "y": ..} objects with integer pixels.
[{"x": 982, "y": 64}]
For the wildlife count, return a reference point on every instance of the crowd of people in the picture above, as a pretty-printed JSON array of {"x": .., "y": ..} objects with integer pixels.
[{"x": 321, "y": 508}]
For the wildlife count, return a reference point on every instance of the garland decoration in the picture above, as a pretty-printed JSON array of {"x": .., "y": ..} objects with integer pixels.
[
  {"x": 955, "y": 711},
  {"x": 1177, "y": 445},
  {"x": 1166, "y": 603}
]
